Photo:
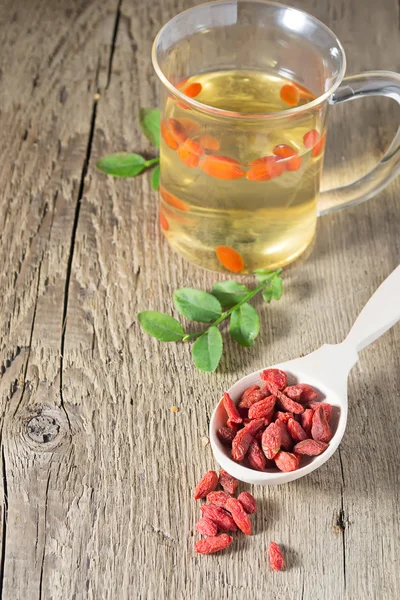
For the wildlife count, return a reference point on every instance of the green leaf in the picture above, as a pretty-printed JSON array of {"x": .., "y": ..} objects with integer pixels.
[
  {"x": 155, "y": 178},
  {"x": 207, "y": 350},
  {"x": 161, "y": 326},
  {"x": 197, "y": 305},
  {"x": 274, "y": 291},
  {"x": 122, "y": 164},
  {"x": 229, "y": 292},
  {"x": 245, "y": 325},
  {"x": 149, "y": 119},
  {"x": 263, "y": 275}
]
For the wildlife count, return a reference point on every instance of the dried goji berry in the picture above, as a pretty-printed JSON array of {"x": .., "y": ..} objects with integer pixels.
[
  {"x": 319, "y": 146},
  {"x": 167, "y": 137},
  {"x": 276, "y": 557},
  {"x": 320, "y": 429},
  {"x": 231, "y": 410},
  {"x": 189, "y": 153},
  {"x": 285, "y": 402},
  {"x": 209, "y": 142},
  {"x": 296, "y": 431},
  {"x": 206, "y": 527},
  {"x": 234, "y": 426},
  {"x": 239, "y": 515},
  {"x": 311, "y": 138},
  {"x": 228, "y": 482},
  {"x": 306, "y": 420},
  {"x": 310, "y": 447},
  {"x": 226, "y": 435},
  {"x": 263, "y": 409},
  {"x": 172, "y": 200},
  {"x": 275, "y": 376},
  {"x": 255, "y": 425},
  {"x": 218, "y": 498},
  {"x": 308, "y": 394},
  {"x": 256, "y": 457},
  {"x": 213, "y": 544},
  {"x": 265, "y": 168},
  {"x": 250, "y": 396},
  {"x": 207, "y": 484},
  {"x": 286, "y": 440},
  {"x": 327, "y": 408},
  {"x": 219, "y": 516},
  {"x": 293, "y": 392},
  {"x": 222, "y": 167},
  {"x": 271, "y": 441},
  {"x": 230, "y": 258},
  {"x": 290, "y": 95},
  {"x": 193, "y": 89},
  {"x": 286, "y": 461},
  {"x": 248, "y": 502},
  {"x": 240, "y": 444},
  {"x": 282, "y": 416}
]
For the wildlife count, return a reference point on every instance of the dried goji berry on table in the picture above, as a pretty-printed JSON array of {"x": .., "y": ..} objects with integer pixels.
[
  {"x": 239, "y": 515},
  {"x": 286, "y": 461},
  {"x": 213, "y": 544},
  {"x": 296, "y": 431},
  {"x": 206, "y": 527},
  {"x": 256, "y": 457},
  {"x": 230, "y": 258},
  {"x": 222, "y": 167},
  {"x": 306, "y": 420},
  {"x": 263, "y": 408},
  {"x": 240, "y": 444},
  {"x": 255, "y": 425},
  {"x": 275, "y": 376},
  {"x": 320, "y": 429},
  {"x": 207, "y": 484},
  {"x": 271, "y": 441},
  {"x": 310, "y": 447},
  {"x": 218, "y": 498},
  {"x": 248, "y": 502},
  {"x": 228, "y": 482},
  {"x": 276, "y": 557},
  {"x": 282, "y": 416},
  {"x": 327, "y": 408},
  {"x": 231, "y": 410},
  {"x": 226, "y": 435},
  {"x": 286, "y": 440},
  {"x": 250, "y": 396},
  {"x": 219, "y": 516},
  {"x": 290, "y": 95}
]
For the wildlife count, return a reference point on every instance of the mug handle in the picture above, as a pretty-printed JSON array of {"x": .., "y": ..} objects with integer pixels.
[{"x": 371, "y": 83}]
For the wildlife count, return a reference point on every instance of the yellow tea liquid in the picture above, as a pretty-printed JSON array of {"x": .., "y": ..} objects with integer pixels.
[{"x": 239, "y": 194}]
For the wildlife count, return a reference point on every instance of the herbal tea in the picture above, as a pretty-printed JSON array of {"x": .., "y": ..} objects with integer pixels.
[{"x": 240, "y": 193}]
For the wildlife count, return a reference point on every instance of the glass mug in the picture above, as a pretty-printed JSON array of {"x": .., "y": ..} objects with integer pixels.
[{"x": 246, "y": 90}]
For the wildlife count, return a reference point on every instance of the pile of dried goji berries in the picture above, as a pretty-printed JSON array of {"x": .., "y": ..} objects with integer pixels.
[
  {"x": 224, "y": 514},
  {"x": 277, "y": 424}
]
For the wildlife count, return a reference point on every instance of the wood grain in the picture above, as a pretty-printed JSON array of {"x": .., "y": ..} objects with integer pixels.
[{"x": 97, "y": 471}]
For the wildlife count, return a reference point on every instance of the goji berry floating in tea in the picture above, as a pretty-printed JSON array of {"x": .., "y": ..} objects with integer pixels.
[
  {"x": 273, "y": 429},
  {"x": 230, "y": 258},
  {"x": 275, "y": 557},
  {"x": 290, "y": 95}
]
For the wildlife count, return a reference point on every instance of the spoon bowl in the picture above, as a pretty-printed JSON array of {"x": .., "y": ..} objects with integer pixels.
[{"x": 327, "y": 370}]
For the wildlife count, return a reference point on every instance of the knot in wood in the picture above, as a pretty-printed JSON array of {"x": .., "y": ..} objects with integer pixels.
[{"x": 43, "y": 429}]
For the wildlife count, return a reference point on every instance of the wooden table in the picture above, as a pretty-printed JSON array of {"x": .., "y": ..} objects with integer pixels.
[{"x": 97, "y": 471}]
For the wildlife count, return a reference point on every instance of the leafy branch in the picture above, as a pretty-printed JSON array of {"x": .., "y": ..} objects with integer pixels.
[
  {"x": 128, "y": 164},
  {"x": 228, "y": 299}
]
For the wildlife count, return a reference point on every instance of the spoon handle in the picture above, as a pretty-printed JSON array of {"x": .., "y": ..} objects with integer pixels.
[{"x": 380, "y": 313}]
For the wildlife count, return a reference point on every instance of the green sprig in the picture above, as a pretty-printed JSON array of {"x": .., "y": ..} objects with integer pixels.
[{"x": 228, "y": 299}]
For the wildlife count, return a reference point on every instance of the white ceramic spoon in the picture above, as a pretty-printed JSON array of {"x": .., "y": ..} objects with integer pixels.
[{"x": 326, "y": 369}]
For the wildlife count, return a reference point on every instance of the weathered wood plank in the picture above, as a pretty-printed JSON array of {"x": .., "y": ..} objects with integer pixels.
[{"x": 106, "y": 510}]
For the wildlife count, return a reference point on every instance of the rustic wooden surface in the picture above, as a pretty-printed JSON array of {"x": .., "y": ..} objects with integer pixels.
[{"x": 97, "y": 472}]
